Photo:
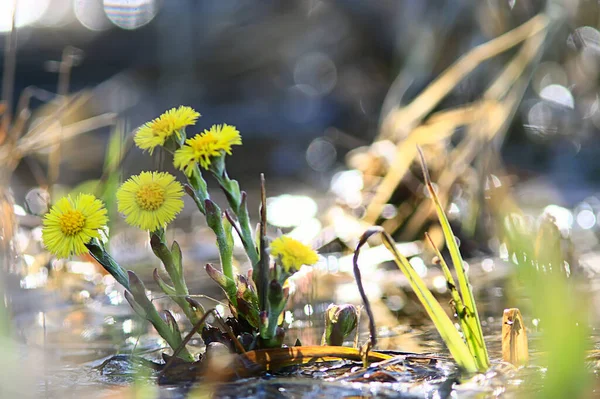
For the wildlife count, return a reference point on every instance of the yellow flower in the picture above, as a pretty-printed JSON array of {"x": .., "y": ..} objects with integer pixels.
[
  {"x": 71, "y": 224},
  {"x": 150, "y": 200},
  {"x": 292, "y": 254},
  {"x": 205, "y": 146},
  {"x": 156, "y": 132}
]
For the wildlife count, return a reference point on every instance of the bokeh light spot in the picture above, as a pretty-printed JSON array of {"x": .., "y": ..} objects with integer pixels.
[
  {"x": 90, "y": 13},
  {"x": 559, "y": 95},
  {"x": 130, "y": 14},
  {"x": 316, "y": 70},
  {"x": 290, "y": 210},
  {"x": 28, "y": 12},
  {"x": 586, "y": 219},
  {"x": 321, "y": 154}
]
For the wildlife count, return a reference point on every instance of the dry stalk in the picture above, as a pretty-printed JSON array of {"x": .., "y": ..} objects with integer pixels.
[
  {"x": 515, "y": 349},
  {"x": 485, "y": 120},
  {"x": 408, "y": 117}
]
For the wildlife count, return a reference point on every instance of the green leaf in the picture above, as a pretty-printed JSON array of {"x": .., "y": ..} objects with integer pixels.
[
  {"x": 166, "y": 288},
  {"x": 134, "y": 305},
  {"x": 166, "y": 331},
  {"x": 172, "y": 323},
  {"x": 227, "y": 284},
  {"x": 473, "y": 332},
  {"x": 177, "y": 257},
  {"x": 458, "y": 303},
  {"x": 457, "y": 347},
  {"x": 108, "y": 263},
  {"x": 244, "y": 220}
]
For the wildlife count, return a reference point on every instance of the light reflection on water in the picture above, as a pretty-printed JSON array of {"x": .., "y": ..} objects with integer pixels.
[
  {"x": 80, "y": 320},
  {"x": 77, "y": 337},
  {"x": 73, "y": 370}
]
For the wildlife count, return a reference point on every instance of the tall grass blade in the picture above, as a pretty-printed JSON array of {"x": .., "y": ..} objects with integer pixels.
[
  {"x": 474, "y": 332},
  {"x": 459, "y": 306},
  {"x": 457, "y": 347}
]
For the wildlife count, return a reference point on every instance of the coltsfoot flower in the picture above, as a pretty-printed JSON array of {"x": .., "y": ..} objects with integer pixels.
[
  {"x": 71, "y": 224},
  {"x": 202, "y": 148},
  {"x": 292, "y": 254},
  {"x": 150, "y": 200},
  {"x": 155, "y": 133}
]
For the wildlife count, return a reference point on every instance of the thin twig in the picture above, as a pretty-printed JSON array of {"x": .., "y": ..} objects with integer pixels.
[
  {"x": 195, "y": 329},
  {"x": 159, "y": 297},
  {"x": 263, "y": 268},
  {"x": 361, "y": 289},
  {"x": 64, "y": 74},
  {"x": 64, "y": 110},
  {"x": 229, "y": 332},
  {"x": 233, "y": 223},
  {"x": 41, "y": 141},
  {"x": 23, "y": 112},
  {"x": 8, "y": 78}
]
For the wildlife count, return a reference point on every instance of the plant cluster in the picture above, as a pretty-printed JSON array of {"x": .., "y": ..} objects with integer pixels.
[
  {"x": 151, "y": 200},
  {"x": 468, "y": 350}
]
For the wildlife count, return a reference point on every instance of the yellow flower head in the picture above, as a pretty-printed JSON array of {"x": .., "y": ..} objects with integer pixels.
[
  {"x": 150, "y": 200},
  {"x": 203, "y": 147},
  {"x": 292, "y": 254},
  {"x": 156, "y": 132},
  {"x": 71, "y": 224}
]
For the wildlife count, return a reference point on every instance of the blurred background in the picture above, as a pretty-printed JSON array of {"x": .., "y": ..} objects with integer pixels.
[
  {"x": 311, "y": 86},
  {"x": 290, "y": 75},
  {"x": 304, "y": 81}
]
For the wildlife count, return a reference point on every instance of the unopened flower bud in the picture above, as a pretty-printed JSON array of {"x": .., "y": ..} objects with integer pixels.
[{"x": 340, "y": 320}]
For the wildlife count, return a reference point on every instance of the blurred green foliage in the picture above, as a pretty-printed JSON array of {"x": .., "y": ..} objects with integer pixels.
[{"x": 549, "y": 294}]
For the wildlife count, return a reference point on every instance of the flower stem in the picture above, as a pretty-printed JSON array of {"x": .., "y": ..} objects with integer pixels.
[
  {"x": 138, "y": 300},
  {"x": 224, "y": 238},
  {"x": 237, "y": 203},
  {"x": 171, "y": 260},
  {"x": 200, "y": 189}
]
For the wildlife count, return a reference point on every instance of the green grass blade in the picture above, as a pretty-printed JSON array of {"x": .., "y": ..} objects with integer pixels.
[
  {"x": 457, "y": 347},
  {"x": 458, "y": 303},
  {"x": 470, "y": 335},
  {"x": 474, "y": 332}
]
